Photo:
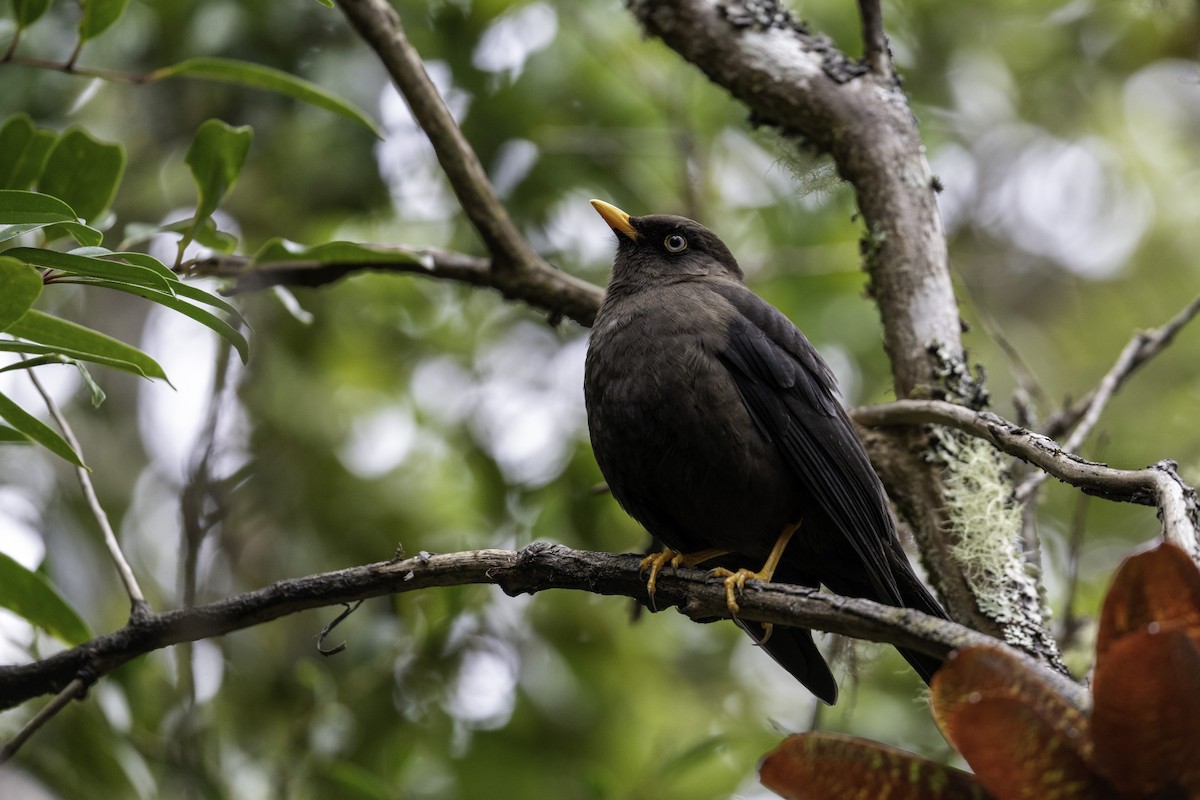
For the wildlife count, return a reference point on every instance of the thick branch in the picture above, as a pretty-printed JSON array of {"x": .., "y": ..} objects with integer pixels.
[
  {"x": 535, "y": 568},
  {"x": 799, "y": 83}
]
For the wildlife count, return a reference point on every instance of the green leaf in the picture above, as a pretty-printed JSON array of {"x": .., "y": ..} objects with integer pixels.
[
  {"x": 29, "y": 11},
  {"x": 98, "y": 16},
  {"x": 87, "y": 266},
  {"x": 215, "y": 158},
  {"x": 36, "y": 430},
  {"x": 30, "y": 363},
  {"x": 138, "y": 259},
  {"x": 71, "y": 355},
  {"x": 205, "y": 233},
  {"x": 30, "y": 596},
  {"x": 88, "y": 237},
  {"x": 12, "y": 436},
  {"x": 272, "y": 80},
  {"x": 97, "y": 394},
  {"x": 209, "y": 299},
  {"x": 83, "y": 172},
  {"x": 20, "y": 285},
  {"x": 19, "y": 207},
  {"x": 205, "y": 318},
  {"x": 81, "y": 342},
  {"x": 23, "y": 150}
]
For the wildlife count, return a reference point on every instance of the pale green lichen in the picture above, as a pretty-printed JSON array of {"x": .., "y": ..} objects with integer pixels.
[{"x": 985, "y": 527}]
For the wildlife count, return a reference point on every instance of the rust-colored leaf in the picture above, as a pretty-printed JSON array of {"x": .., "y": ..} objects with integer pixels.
[
  {"x": 828, "y": 766},
  {"x": 1017, "y": 754},
  {"x": 1161, "y": 584},
  {"x": 1146, "y": 720},
  {"x": 986, "y": 673}
]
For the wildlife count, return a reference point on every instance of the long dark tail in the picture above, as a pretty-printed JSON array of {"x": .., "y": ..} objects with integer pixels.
[
  {"x": 914, "y": 595},
  {"x": 794, "y": 650}
]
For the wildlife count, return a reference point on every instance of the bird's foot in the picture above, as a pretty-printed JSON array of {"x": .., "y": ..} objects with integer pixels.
[
  {"x": 655, "y": 562},
  {"x": 735, "y": 581}
]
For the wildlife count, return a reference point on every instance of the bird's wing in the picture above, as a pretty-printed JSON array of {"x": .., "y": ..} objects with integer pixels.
[{"x": 790, "y": 393}]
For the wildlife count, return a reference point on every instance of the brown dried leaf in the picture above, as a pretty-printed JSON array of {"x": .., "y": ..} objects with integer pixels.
[
  {"x": 1016, "y": 753},
  {"x": 987, "y": 673},
  {"x": 1146, "y": 720},
  {"x": 1161, "y": 585},
  {"x": 828, "y": 766}
]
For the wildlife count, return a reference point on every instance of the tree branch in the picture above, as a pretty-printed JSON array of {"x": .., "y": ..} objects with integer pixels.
[
  {"x": 532, "y": 569},
  {"x": 1144, "y": 346},
  {"x": 559, "y": 294},
  {"x": 875, "y": 47},
  {"x": 1157, "y": 485},
  {"x": 137, "y": 601},
  {"x": 516, "y": 269}
]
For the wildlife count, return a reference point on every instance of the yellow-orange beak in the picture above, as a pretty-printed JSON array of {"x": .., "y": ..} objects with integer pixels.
[{"x": 617, "y": 219}]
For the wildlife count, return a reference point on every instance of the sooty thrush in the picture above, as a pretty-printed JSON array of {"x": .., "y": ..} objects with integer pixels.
[{"x": 717, "y": 426}]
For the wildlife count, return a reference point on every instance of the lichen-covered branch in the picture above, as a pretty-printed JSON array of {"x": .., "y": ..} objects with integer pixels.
[{"x": 1157, "y": 485}]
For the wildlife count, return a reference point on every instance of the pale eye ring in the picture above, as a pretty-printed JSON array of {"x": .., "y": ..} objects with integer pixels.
[{"x": 675, "y": 243}]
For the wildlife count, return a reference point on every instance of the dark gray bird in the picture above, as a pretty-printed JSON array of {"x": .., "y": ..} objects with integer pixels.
[{"x": 717, "y": 426}]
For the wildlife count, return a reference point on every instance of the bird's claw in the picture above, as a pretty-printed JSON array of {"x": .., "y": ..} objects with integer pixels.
[
  {"x": 656, "y": 562},
  {"x": 735, "y": 582}
]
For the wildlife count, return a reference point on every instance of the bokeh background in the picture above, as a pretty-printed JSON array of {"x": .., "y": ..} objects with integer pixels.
[{"x": 390, "y": 411}]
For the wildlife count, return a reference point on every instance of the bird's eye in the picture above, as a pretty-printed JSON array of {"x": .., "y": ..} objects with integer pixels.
[{"x": 675, "y": 243}]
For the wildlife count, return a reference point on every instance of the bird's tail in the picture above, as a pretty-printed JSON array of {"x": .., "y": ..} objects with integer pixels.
[
  {"x": 794, "y": 650},
  {"x": 914, "y": 595}
]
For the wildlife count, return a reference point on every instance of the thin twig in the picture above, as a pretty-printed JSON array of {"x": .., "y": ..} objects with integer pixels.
[
  {"x": 137, "y": 600},
  {"x": 1070, "y": 622},
  {"x": 875, "y": 47},
  {"x": 70, "y": 68},
  {"x": 349, "y": 609},
  {"x": 1146, "y": 345},
  {"x": 193, "y": 501},
  {"x": 1100, "y": 397},
  {"x": 72, "y": 691}
]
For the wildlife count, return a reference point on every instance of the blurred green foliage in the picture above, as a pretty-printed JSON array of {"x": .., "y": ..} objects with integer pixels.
[{"x": 391, "y": 411}]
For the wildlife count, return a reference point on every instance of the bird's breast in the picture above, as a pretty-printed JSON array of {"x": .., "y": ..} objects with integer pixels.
[{"x": 670, "y": 430}]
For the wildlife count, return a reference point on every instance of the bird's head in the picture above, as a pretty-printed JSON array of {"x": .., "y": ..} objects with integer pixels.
[{"x": 660, "y": 248}]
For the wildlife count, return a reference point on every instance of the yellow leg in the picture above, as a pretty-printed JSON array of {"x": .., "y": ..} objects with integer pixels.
[
  {"x": 736, "y": 581},
  {"x": 656, "y": 561}
]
